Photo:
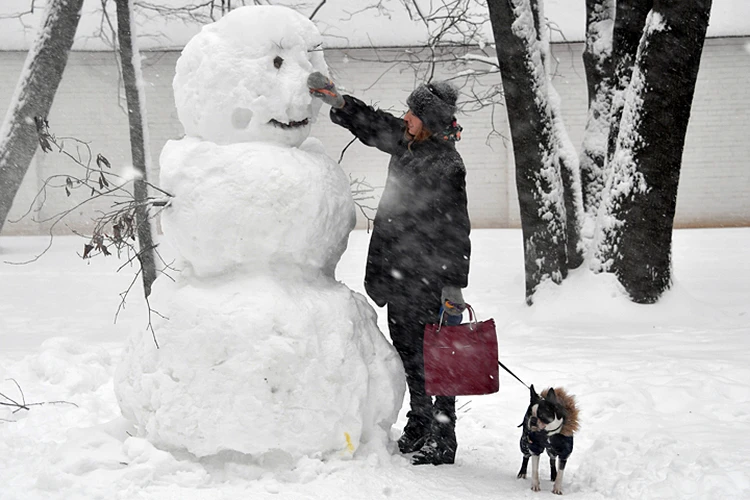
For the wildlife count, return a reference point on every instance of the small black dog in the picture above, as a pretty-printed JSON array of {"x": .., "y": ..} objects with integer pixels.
[{"x": 549, "y": 424}]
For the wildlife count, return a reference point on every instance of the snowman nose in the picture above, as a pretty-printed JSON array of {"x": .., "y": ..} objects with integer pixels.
[{"x": 298, "y": 97}]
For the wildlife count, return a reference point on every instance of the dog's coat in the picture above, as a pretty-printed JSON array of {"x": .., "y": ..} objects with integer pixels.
[{"x": 549, "y": 424}]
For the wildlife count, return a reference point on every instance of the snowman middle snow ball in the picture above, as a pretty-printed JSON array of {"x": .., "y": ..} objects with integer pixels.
[{"x": 261, "y": 351}]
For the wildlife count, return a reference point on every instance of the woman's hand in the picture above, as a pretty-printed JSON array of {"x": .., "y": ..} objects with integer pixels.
[
  {"x": 452, "y": 300},
  {"x": 324, "y": 89}
]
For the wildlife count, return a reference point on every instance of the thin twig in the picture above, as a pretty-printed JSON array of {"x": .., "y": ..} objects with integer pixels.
[
  {"x": 320, "y": 5},
  {"x": 150, "y": 325},
  {"x": 23, "y": 405},
  {"x": 116, "y": 228},
  {"x": 341, "y": 157}
]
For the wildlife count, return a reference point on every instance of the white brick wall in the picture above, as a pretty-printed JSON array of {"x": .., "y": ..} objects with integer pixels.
[{"x": 714, "y": 184}]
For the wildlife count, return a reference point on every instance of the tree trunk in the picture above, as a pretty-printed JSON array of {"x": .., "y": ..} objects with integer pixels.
[
  {"x": 135, "y": 97},
  {"x": 33, "y": 97},
  {"x": 564, "y": 155},
  {"x": 629, "y": 23},
  {"x": 630, "y": 20},
  {"x": 597, "y": 62},
  {"x": 536, "y": 144},
  {"x": 646, "y": 163}
]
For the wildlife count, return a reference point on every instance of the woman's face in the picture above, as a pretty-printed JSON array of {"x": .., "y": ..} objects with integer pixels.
[{"x": 413, "y": 124}]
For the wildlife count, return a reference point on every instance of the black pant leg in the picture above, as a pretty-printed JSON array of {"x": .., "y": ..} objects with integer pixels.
[
  {"x": 408, "y": 313},
  {"x": 408, "y": 343},
  {"x": 446, "y": 405}
]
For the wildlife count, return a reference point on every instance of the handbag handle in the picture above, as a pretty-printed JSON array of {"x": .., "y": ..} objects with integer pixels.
[{"x": 472, "y": 317}]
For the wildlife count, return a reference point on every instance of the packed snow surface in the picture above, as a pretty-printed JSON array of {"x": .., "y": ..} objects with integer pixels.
[{"x": 664, "y": 389}]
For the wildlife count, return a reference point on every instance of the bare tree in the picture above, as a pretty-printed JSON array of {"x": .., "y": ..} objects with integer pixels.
[
  {"x": 206, "y": 11},
  {"x": 113, "y": 229},
  {"x": 116, "y": 229},
  {"x": 131, "y": 71},
  {"x": 455, "y": 46},
  {"x": 45, "y": 65},
  {"x": 33, "y": 97}
]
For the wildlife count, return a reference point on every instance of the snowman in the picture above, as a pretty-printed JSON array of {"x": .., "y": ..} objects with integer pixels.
[{"x": 261, "y": 351}]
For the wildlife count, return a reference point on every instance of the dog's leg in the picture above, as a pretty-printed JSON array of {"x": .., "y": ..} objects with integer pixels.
[
  {"x": 552, "y": 469},
  {"x": 524, "y": 465},
  {"x": 535, "y": 473},
  {"x": 557, "y": 488}
]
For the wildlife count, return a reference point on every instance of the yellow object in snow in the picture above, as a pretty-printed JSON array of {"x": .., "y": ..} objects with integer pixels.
[{"x": 349, "y": 445}]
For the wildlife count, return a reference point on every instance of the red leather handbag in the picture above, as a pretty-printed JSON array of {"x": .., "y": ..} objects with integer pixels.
[{"x": 461, "y": 360}]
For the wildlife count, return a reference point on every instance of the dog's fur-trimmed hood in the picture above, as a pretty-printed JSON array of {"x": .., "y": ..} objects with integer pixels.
[{"x": 567, "y": 402}]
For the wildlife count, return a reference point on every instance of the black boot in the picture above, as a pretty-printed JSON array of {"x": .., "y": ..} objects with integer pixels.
[
  {"x": 440, "y": 447},
  {"x": 415, "y": 433}
]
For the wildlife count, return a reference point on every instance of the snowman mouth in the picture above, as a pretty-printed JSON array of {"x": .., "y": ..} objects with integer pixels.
[{"x": 290, "y": 125}]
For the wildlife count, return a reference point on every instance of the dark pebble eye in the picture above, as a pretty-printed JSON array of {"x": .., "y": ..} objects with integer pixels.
[{"x": 277, "y": 62}]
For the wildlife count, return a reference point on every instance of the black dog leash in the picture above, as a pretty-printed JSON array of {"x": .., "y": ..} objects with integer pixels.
[{"x": 514, "y": 375}]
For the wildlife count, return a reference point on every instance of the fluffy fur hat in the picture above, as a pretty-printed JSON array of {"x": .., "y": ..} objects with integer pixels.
[{"x": 435, "y": 104}]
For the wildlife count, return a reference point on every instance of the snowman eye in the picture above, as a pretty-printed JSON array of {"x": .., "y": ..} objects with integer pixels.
[{"x": 277, "y": 62}]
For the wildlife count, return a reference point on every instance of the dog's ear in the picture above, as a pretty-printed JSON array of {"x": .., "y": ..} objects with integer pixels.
[
  {"x": 551, "y": 397},
  {"x": 534, "y": 396}
]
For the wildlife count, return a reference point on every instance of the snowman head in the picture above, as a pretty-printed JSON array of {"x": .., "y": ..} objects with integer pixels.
[{"x": 244, "y": 77}]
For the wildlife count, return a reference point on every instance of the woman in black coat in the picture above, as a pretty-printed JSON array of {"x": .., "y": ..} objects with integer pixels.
[{"x": 419, "y": 251}]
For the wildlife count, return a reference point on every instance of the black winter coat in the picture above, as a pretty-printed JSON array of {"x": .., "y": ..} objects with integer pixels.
[{"x": 421, "y": 230}]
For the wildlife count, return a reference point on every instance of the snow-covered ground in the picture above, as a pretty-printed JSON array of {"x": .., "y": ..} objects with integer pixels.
[{"x": 664, "y": 390}]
